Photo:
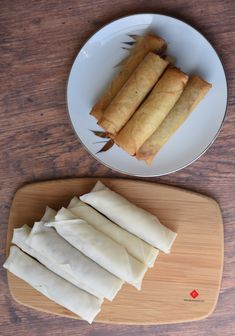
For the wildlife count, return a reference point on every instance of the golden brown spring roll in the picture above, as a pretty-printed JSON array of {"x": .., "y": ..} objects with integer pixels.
[
  {"x": 152, "y": 112},
  {"x": 193, "y": 93},
  {"x": 143, "y": 45},
  {"x": 132, "y": 93}
]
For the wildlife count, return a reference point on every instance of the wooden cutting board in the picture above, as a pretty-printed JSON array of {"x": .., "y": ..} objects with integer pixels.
[{"x": 182, "y": 286}]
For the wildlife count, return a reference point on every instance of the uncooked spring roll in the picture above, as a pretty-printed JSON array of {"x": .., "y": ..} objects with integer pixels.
[
  {"x": 55, "y": 288},
  {"x": 143, "y": 45},
  {"x": 130, "y": 217},
  {"x": 135, "y": 246},
  {"x": 46, "y": 245},
  {"x": 132, "y": 93},
  {"x": 152, "y": 112},
  {"x": 20, "y": 236},
  {"x": 104, "y": 251},
  {"x": 193, "y": 93},
  {"x": 49, "y": 215}
]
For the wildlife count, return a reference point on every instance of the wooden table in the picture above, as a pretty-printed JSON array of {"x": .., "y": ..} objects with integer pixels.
[{"x": 39, "y": 40}]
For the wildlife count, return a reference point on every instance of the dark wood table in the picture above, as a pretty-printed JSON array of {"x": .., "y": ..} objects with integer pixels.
[{"x": 39, "y": 40}]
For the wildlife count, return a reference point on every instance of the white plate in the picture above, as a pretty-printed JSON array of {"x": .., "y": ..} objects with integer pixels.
[{"x": 94, "y": 67}]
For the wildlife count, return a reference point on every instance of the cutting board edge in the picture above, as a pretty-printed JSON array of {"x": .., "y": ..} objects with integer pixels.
[
  {"x": 60, "y": 180},
  {"x": 30, "y": 184},
  {"x": 198, "y": 318}
]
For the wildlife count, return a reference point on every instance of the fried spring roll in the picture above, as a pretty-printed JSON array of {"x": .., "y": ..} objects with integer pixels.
[
  {"x": 143, "y": 45},
  {"x": 153, "y": 111},
  {"x": 193, "y": 93},
  {"x": 132, "y": 93}
]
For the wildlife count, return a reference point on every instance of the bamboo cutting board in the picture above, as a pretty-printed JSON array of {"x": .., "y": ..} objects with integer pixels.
[{"x": 182, "y": 286}]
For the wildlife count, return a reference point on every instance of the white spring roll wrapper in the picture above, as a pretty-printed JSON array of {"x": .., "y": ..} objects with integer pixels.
[
  {"x": 20, "y": 236},
  {"x": 130, "y": 217},
  {"x": 135, "y": 246},
  {"x": 103, "y": 250},
  {"x": 49, "y": 215},
  {"x": 65, "y": 260},
  {"x": 81, "y": 303}
]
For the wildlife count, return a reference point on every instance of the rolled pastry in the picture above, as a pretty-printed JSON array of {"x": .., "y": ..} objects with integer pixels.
[
  {"x": 132, "y": 93},
  {"x": 144, "y": 44},
  {"x": 153, "y": 111},
  {"x": 135, "y": 246},
  {"x": 193, "y": 93},
  {"x": 20, "y": 236},
  {"x": 55, "y": 288},
  {"x": 103, "y": 250},
  {"x": 130, "y": 217},
  {"x": 49, "y": 215},
  {"x": 46, "y": 245}
]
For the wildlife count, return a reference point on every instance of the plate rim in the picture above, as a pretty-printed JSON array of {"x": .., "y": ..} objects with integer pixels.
[{"x": 170, "y": 171}]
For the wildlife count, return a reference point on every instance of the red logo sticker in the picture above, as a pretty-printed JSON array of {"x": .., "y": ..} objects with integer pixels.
[{"x": 194, "y": 294}]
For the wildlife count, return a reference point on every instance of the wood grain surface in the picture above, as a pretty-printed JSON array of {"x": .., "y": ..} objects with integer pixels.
[
  {"x": 38, "y": 43},
  {"x": 195, "y": 261}
]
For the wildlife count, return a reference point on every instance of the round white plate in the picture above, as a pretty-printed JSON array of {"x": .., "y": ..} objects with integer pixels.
[{"x": 94, "y": 67}]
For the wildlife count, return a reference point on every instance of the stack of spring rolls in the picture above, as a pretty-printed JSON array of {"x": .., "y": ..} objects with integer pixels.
[
  {"x": 83, "y": 254},
  {"x": 148, "y": 100}
]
